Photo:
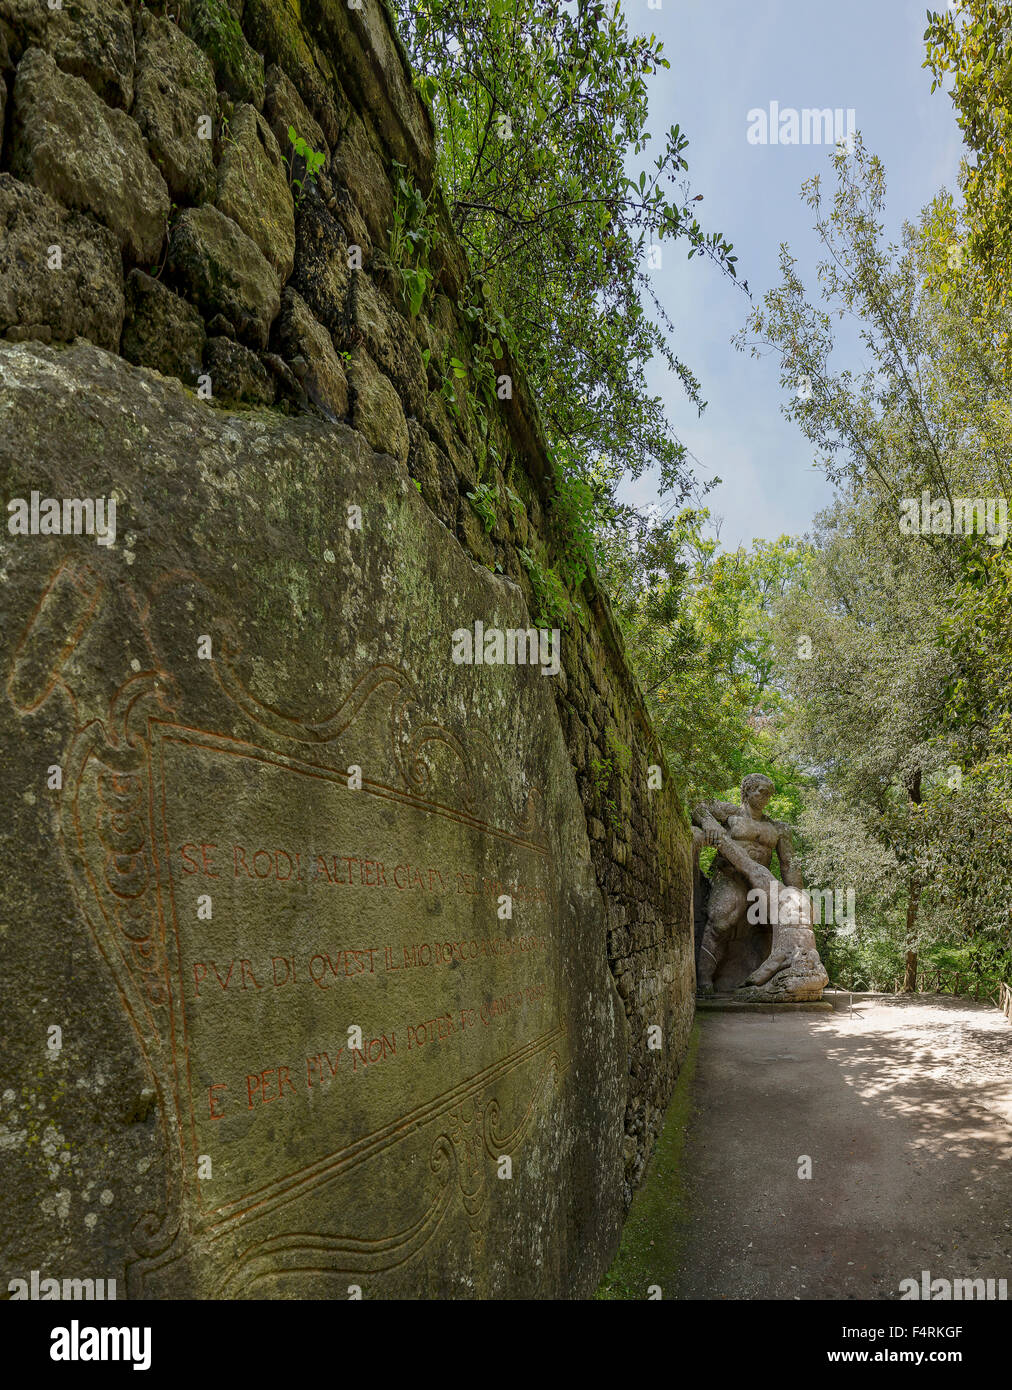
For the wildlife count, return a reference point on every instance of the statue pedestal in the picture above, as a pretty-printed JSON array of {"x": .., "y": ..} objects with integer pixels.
[{"x": 731, "y": 1005}]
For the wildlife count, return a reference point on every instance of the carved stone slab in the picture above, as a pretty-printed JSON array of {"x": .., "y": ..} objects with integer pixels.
[{"x": 312, "y": 906}]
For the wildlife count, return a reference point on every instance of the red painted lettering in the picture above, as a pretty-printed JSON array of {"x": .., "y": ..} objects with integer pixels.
[
  {"x": 214, "y": 1100},
  {"x": 187, "y": 858},
  {"x": 224, "y": 983}
]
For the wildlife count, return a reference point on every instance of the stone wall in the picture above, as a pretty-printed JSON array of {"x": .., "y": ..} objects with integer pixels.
[{"x": 148, "y": 205}]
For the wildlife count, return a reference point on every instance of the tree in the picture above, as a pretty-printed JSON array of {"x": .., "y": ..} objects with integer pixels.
[
  {"x": 972, "y": 43},
  {"x": 864, "y": 709},
  {"x": 929, "y": 413},
  {"x": 538, "y": 108},
  {"x": 697, "y": 631}
]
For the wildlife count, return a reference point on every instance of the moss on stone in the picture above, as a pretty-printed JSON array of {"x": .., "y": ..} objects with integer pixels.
[
  {"x": 652, "y": 1238},
  {"x": 274, "y": 26},
  {"x": 240, "y": 69}
]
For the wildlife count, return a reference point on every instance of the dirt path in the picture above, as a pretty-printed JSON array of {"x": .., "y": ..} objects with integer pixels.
[{"x": 904, "y": 1108}]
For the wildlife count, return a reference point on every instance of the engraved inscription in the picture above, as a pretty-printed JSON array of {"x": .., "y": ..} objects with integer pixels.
[{"x": 352, "y": 973}]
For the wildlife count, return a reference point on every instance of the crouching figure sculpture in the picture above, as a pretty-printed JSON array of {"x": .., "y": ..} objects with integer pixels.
[{"x": 745, "y": 839}]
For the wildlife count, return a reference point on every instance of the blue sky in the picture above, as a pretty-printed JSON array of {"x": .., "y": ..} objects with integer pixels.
[{"x": 727, "y": 57}]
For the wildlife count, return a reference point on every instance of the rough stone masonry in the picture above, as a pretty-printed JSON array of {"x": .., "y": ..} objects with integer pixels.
[{"x": 321, "y": 952}]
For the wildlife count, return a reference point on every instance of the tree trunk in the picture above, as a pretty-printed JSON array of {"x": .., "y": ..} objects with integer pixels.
[
  {"x": 910, "y": 965},
  {"x": 913, "y": 789}
]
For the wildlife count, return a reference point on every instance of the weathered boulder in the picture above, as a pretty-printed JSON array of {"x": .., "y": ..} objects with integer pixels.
[
  {"x": 283, "y": 107},
  {"x": 321, "y": 272},
  {"x": 237, "y": 374},
  {"x": 175, "y": 95},
  {"x": 307, "y": 345},
  {"x": 357, "y": 165},
  {"x": 374, "y": 320},
  {"x": 161, "y": 330},
  {"x": 216, "y": 265},
  {"x": 240, "y": 69},
  {"x": 376, "y": 411},
  {"x": 86, "y": 155},
  {"x": 92, "y": 39},
  {"x": 83, "y": 296},
  {"x": 198, "y": 1043},
  {"x": 274, "y": 30},
  {"x": 253, "y": 188}
]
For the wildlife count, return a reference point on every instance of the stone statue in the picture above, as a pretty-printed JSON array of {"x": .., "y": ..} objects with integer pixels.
[{"x": 745, "y": 839}]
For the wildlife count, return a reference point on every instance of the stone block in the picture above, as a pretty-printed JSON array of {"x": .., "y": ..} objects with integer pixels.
[
  {"x": 253, "y": 188},
  {"x": 375, "y": 1159},
  {"x": 86, "y": 155},
  {"x": 92, "y": 39},
  {"x": 239, "y": 68},
  {"x": 237, "y": 374},
  {"x": 83, "y": 297},
  {"x": 321, "y": 273},
  {"x": 307, "y": 346},
  {"x": 374, "y": 321},
  {"x": 274, "y": 30},
  {"x": 284, "y": 107},
  {"x": 357, "y": 166},
  {"x": 215, "y": 264},
  {"x": 161, "y": 330},
  {"x": 376, "y": 411},
  {"x": 434, "y": 473},
  {"x": 175, "y": 100}
]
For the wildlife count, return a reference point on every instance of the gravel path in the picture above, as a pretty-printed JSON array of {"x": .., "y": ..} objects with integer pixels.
[{"x": 904, "y": 1107}]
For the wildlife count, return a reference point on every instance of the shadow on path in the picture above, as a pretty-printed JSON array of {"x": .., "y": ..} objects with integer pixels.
[{"x": 904, "y": 1109}]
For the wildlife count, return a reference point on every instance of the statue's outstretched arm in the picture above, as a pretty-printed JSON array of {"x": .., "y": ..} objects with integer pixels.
[
  {"x": 755, "y": 874},
  {"x": 717, "y": 810}
]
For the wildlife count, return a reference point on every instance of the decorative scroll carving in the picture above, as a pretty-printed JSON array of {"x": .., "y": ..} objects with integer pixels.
[{"x": 110, "y": 838}]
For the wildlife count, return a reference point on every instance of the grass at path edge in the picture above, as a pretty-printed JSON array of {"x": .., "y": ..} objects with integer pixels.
[{"x": 648, "y": 1254}]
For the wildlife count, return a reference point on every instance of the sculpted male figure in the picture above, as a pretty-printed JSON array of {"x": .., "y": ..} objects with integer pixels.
[
  {"x": 750, "y": 837},
  {"x": 793, "y": 971}
]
